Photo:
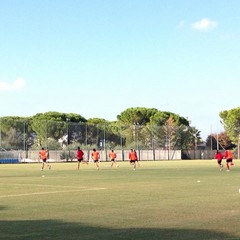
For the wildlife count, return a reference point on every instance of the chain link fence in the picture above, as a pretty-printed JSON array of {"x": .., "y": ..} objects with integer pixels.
[{"x": 151, "y": 142}]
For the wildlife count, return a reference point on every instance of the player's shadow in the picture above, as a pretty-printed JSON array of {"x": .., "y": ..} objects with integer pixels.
[
  {"x": 2, "y": 208},
  {"x": 59, "y": 230}
]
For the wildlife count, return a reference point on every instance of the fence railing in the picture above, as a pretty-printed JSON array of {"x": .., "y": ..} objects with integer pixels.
[
  {"x": 58, "y": 135},
  {"x": 122, "y": 155}
]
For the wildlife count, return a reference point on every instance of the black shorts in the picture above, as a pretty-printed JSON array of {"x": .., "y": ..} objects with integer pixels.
[
  {"x": 96, "y": 161},
  {"x": 44, "y": 160},
  {"x": 80, "y": 159},
  {"x": 132, "y": 161},
  {"x": 219, "y": 161},
  {"x": 113, "y": 160},
  {"x": 229, "y": 160}
]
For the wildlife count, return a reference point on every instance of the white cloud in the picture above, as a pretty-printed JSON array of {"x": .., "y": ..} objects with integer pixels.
[
  {"x": 17, "y": 85},
  {"x": 204, "y": 24}
]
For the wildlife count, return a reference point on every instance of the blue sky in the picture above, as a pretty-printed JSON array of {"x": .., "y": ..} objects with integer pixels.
[{"x": 97, "y": 58}]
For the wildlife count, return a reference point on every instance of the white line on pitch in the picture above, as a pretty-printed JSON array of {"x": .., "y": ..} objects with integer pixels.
[
  {"x": 53, "y": 192},
  {"x": 46, "y": 185}
]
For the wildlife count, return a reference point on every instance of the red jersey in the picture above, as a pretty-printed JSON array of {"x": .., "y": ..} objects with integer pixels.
[
  {"x": 79, "y": 154},
  {"x": 219, "y": 156}
]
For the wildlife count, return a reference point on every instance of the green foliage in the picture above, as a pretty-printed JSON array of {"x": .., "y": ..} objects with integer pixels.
[
  {"x": 67, "y": 155},
  {"x": 53, "y": 124},
  {"x": 97, "y": 121},
  {"x": 138, "y": 115},
  {"x": 157, "y": 122},
  {"x": 219, "y": 141},
  {"x": 15, "y": 131},
  {"x": 231, "y": 122},
  {"x": 137, "y": 127},
  {"x": 160, "y": 118}
]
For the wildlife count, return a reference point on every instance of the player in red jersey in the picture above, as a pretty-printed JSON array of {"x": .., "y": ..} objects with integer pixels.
[
  {"x": 219, "y": 157},
  {"x": 79, "y": 155},
  {"x": 132, "y": 158},
  {"x": 137, "y": 160}
]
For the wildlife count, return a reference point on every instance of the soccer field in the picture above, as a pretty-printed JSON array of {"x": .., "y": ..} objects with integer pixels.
[{"x": 160, "y": 200}]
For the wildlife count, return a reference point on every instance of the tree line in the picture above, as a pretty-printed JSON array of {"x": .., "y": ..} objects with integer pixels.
[{"x": 139, "y": 127}]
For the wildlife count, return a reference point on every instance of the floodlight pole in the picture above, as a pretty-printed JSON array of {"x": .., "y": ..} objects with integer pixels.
[
  {"x": 195, "y": 145},
  {"x": 67, "y": 132},
  {"x": 24, "y": 136},
  {"x": 238, "y": 145},
  {"x": 46, "y": 134},
  {"x": 121, "y": 142},
  {"x": 104, "y": 137},
  {"x": 153, "y": 146},
  {"x": 86, "y": 135},
  {"x": 217, "y": 142},
  {"x": 136, "y": 137}
]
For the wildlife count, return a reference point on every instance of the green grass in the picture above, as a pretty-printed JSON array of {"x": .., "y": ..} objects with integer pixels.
[{"x": 160, "y": 200}]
